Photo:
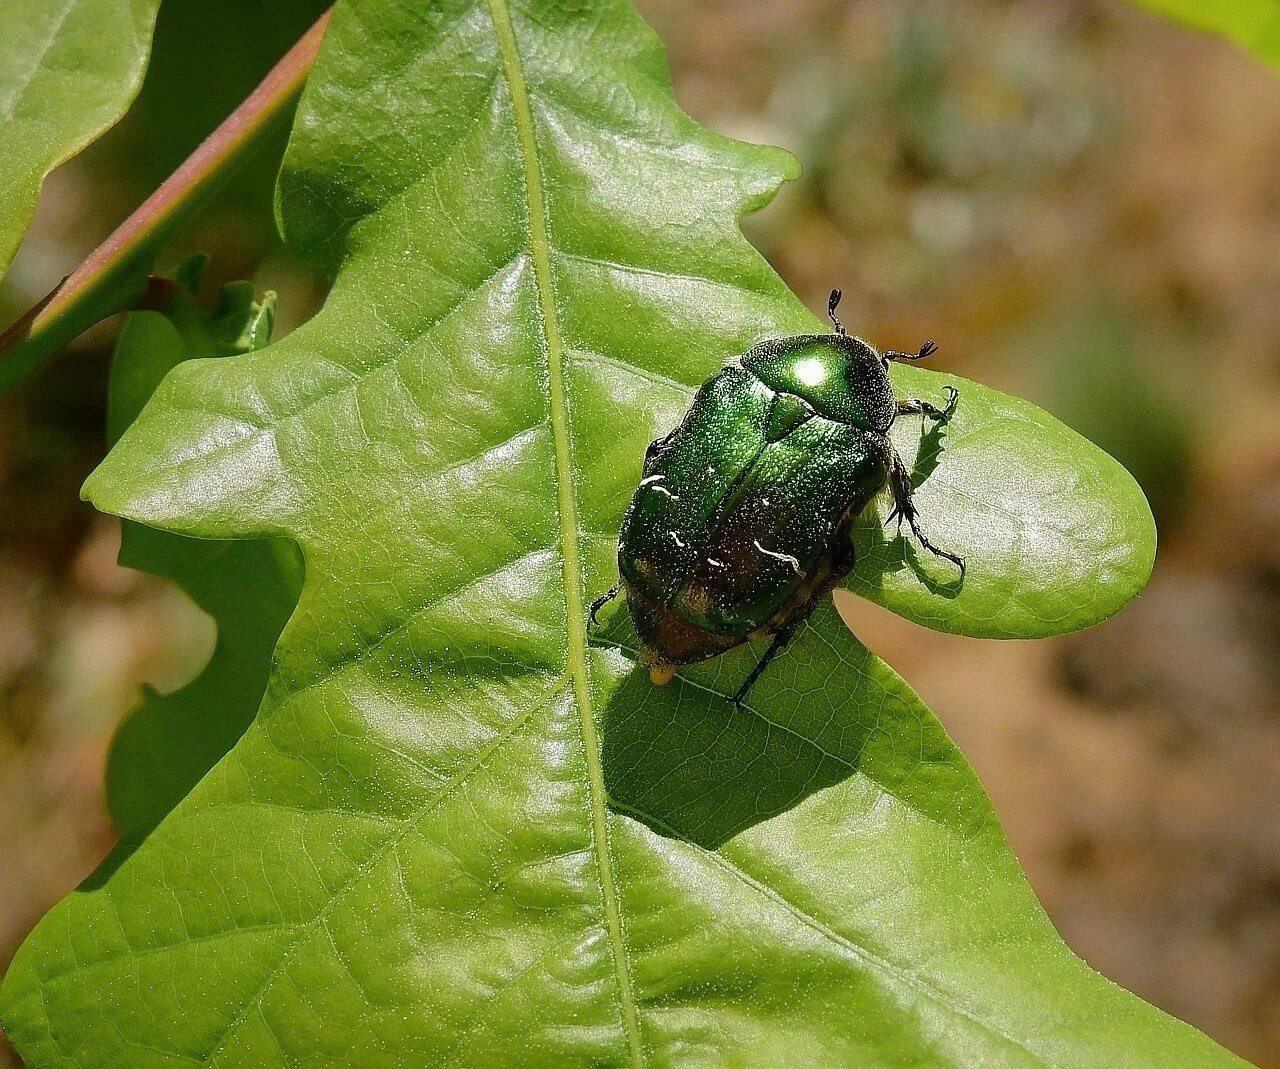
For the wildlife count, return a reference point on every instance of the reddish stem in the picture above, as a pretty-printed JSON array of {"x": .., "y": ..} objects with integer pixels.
[{"x": 159, "y": 213}]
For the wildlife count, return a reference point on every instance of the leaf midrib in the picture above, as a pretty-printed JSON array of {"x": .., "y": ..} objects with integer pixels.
[{"x": 575, "y": 614}]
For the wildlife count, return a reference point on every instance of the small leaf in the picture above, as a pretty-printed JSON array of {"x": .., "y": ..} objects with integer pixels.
[
  {"x": 68, "y": 70},
  {"x": 249, "y": 588},
  {"x": 1252, "y": 23},
  {"x": 457, "y": 832}
]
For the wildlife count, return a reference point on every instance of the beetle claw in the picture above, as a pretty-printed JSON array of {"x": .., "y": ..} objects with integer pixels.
[
  {"x": 923, "y": 353},
  {"x": 599, "y": 604}
]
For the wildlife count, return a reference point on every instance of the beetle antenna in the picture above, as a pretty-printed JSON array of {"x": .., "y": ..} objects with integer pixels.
[{"x": 832, "y": 303}]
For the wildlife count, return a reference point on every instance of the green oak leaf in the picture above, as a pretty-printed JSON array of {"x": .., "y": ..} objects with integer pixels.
[
  {"x": 68, "y": 70},
  {"x": 248, "y": 587},
  {"x": 1252, "y": 23},
  {"x": 460, "y": 831}
]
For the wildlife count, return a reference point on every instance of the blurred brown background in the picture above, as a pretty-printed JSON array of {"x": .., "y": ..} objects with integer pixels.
[{"x": 1080, "y": 202}]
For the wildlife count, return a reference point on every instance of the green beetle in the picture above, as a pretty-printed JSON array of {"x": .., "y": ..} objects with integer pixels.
[{"x": 741, "y": 522}]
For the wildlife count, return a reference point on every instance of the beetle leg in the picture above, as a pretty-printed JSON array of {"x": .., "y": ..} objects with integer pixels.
[
  {"x": 842, "y": 565},
  {"x": 914, "y": 404},
  {"x": 778, "y": 644},
  {"x": 904, "y": 508},
  {"x": 600, "y": 603},
  {"x": 926, "y": 351},
  {"x": 788, "y": 631}
]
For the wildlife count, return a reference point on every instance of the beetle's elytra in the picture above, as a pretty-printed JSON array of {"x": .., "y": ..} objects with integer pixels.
[{"x": 741, "y": 521}]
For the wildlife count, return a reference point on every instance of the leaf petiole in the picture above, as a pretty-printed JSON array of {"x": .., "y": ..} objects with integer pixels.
[{"x": 115, "y": 276}]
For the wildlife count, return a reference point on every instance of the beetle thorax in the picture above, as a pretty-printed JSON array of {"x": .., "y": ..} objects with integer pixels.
[{"x": 841, "y": 377}]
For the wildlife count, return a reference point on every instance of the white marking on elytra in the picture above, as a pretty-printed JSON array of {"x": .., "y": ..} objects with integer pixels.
[
  {"x": 793, "y": 561},
  {"x": 653, "y": 481},
  {"x": 677, "y": 539},
  {"x": 717, "y": 563}
]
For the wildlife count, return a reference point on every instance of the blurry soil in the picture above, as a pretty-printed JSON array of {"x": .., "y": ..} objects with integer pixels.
[{"x": 1080, "y": 203}]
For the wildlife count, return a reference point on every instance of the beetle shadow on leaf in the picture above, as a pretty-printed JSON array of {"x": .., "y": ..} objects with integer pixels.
[
  {"x": 879, "y": 553},
  {"x": 905, "y": 549},
  {"x": 683, "y": 760},
  {"x": 929, "y": 454}
]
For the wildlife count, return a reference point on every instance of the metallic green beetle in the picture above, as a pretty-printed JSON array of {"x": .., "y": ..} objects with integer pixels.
[{"x": 741, "y": 522}]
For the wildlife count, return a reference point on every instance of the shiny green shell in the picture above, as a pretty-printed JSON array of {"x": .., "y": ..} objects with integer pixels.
[{"x": 742, "y": 514}]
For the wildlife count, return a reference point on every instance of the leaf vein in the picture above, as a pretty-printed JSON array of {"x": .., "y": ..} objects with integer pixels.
[
  {"x": 354, "y": 657},
  {"x": 478, "y": 762}
]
